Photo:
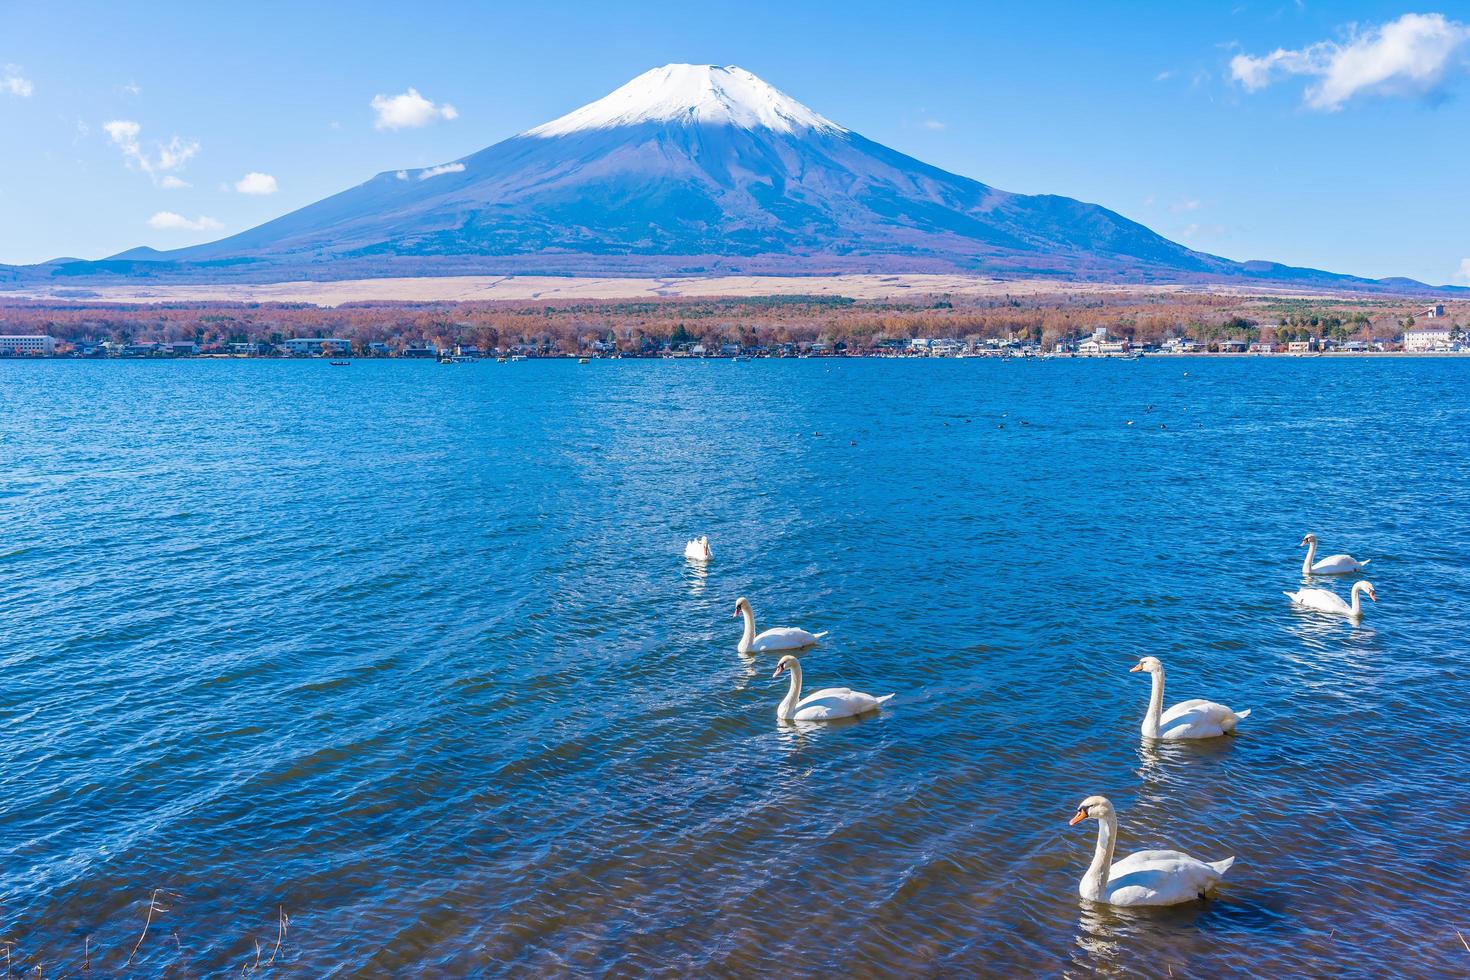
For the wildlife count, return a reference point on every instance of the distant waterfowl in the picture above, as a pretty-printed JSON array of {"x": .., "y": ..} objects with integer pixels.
[
  {"x": 698, "y": 549},
  {"x": 780, "y": 638},
  {"x": 827, "y": 704},
  {"x": 1324, "y": 600},
  {"x": 1187, "y": 719},
  {"x": 1145, "y": 877},
  {"x": 1332, "y": 564}
]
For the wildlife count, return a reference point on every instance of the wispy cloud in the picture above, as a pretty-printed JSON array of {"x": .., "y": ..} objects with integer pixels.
[
  {"x": 1184, "y": 206},
  {"x": 1163, "y": 76},
  {"x": 1196, "y": 231},
  {"x": 447, "y": 168},
  {"x": 171, "y": 183},
  {"x": 131, "y": 88},
  {"x": 1464, "y": 274},
  {"x": 408, "y": 110},
  {"x": 1411, "y": 56},
  {"x": 169, "y": 221},
  {"x": 933, "y": 124},
  {"x": 12, "y": 82},
  {"x": 256, "y": 183},
  {"x": 156, "y": 163}
]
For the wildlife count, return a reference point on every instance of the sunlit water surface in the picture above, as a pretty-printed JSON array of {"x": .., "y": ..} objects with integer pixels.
[{"x": 411, "y": 652}]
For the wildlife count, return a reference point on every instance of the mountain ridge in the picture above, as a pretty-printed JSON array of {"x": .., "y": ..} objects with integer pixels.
[{"x": 691, "y": 169}]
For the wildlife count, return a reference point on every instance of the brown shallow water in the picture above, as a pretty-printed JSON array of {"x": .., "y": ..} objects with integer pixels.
[{"x": 411, "y": 652}]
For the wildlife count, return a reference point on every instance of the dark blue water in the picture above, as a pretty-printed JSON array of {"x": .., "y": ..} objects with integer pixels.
[{"x": 411, "y": 653}]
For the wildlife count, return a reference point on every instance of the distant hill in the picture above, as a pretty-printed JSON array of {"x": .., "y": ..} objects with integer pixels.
[{"x": 693, "y": 169}]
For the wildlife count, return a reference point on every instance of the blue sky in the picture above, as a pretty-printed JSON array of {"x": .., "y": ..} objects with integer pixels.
[{"x": 1347, "y": 149}]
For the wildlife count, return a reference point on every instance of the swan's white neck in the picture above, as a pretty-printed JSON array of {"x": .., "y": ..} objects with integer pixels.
[
  {"x": 1358, "y": 590},
  {"x": 1095, "y": 881},
  {"x": 1311, "y": 553},
  {"x": 748, "y": 637},
  {"x": 787, "y": 708},
  {"x": 1155, "y": 705}
]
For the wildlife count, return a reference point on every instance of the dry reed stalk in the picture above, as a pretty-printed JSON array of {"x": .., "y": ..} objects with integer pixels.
[
  {"x": 1462, "y": 941},
  {"x": 153, "y": 906},
  {"x": 282, "y": 920}
]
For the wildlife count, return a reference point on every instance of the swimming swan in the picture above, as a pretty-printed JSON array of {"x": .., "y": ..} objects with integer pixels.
[
  {"x": 697, "y": 549},
  {"x": 780, "y": 638},
  {"x": 827, "y": 704},
  {"x": 1145, "y": 877},
  {"x": 1322, "y": 600},
  {"x": 1187, "y": 719},
  {"x": 1332, "y": 564}
]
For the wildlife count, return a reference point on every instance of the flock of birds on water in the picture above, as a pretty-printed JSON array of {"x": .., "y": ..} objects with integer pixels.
[{"x": 1143, "y": 878}]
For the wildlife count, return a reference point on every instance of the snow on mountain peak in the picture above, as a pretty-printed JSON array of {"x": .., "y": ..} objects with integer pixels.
[{"x": 694, "y": 95}]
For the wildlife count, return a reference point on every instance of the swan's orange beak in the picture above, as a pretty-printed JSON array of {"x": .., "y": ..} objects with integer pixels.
[
  {"x": 1077, "y": 818},
  {"x": 1135, "y": 668},
  {"x": 1373, "y": 595},
  {"x": 777, "y": 673}
]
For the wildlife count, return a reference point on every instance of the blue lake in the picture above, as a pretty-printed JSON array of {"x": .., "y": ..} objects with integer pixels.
[{"x": 411, "y": 652}]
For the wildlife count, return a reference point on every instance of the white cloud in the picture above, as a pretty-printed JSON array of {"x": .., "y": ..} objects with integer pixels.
[
  {"x": 1184, "y": 206},
  {"x": 409, "y": 110},
  {"x": 256, "y": 183},
  {"x": 172, "y": 183},
  {"x": 169, "y": 221},
  {"x": 1163, "y": 76},
  {"x": 131, "y": 88},
  {"x": 402, "y": 175},
  {"x": 933, "y": 124},
  {"x": 164, "y": 157},
  {"x": 447, "y": 168},
  {"x": 12, "y": 82},
  {"x": 1197, "y": 231},
  {"x": 1464, "y": 274},
  {"x": 1409, "y": 56}
]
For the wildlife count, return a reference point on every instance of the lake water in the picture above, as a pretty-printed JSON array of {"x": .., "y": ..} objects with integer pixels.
[{"x": 412, "y": 653}]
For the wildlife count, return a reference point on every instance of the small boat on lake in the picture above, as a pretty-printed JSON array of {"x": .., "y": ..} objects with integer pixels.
[{"x": 341, "y": 364}]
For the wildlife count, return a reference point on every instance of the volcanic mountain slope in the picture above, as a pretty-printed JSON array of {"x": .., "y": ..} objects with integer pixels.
[{"x": 692, "y": 169}]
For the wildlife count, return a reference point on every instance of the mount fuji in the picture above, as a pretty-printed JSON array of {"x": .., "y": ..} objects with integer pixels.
[{"x": 691, "y": 170}]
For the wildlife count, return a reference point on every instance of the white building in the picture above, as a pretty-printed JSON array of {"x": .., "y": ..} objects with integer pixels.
[
  {"x": 317, "y": 345},
  {"x": 1101, "y": 345},
  {"x": 1423, "y": 338},
  {"x": 23, "y": 345},
  {"x": 1434, "y": 312}
]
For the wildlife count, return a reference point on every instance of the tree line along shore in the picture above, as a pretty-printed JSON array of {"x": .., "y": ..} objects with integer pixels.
[{"x": 1065, "y": 323}]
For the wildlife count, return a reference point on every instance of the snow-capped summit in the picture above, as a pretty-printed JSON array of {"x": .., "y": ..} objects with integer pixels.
[{"x": 705, "y": 95}]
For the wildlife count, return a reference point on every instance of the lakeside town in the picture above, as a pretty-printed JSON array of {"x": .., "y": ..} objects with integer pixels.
[{"x": 741, "y": 329}]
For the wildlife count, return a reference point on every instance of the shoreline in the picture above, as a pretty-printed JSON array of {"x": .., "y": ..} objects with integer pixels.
[{"x": 1331, "y": 355}]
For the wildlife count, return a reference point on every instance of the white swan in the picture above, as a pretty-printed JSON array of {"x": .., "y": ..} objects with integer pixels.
[
  {"x": 772, "y": 640},
  {"x": 1332, "y": 564},
  {"x": 697, "y": 549},
  {"x": 1323, "y": 600},
  {"x": 1187, "y": 719},
  {"x": 827, "y": 704},
  {"x": 1145, "y": 877}
]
